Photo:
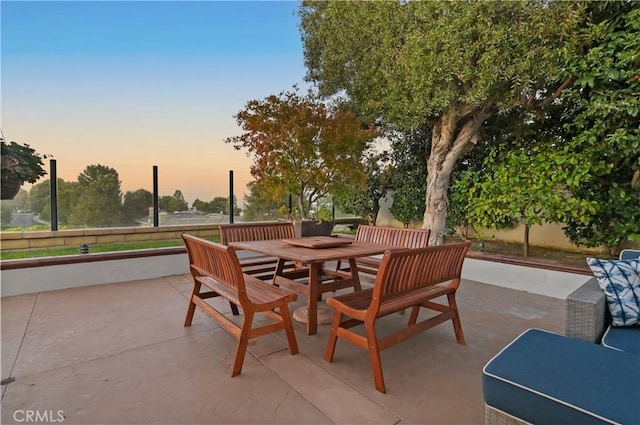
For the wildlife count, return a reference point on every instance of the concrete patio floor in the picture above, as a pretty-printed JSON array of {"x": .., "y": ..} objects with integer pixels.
[{"x": 118, "y": 354}]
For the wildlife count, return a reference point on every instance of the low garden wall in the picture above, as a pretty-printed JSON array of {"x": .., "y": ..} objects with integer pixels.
[
  {"x": 75, "y": 238},
  {"x": 71, "y": 271}
]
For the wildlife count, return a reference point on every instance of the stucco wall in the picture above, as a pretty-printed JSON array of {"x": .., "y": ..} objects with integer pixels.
[{"x": 545, "y": 235}]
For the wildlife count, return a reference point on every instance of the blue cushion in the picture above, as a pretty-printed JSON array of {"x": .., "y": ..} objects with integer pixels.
[
  {"x": 630, "y": 254},
  {"x": 620, "y": 280},
  {"x": 542, "y": 377},
  {"x": 623, "y": 338}
]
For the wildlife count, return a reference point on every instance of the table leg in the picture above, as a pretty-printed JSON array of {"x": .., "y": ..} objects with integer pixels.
[
  {"x": 312, "y": 303},
  {"x": 354, "y": 274}
]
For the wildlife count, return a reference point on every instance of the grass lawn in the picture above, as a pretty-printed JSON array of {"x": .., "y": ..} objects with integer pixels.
[{"x": 54, "y": 252}]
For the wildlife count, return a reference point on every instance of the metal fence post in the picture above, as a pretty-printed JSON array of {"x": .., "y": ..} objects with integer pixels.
[
  {"x": 230, "y": 196},
  {"x": 156, "y": 204},
  {"x": 53, "y": 191}
]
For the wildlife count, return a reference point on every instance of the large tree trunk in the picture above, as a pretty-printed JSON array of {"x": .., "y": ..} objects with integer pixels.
[
  {"x": 455, "y": 134},
  {"x": 302, "y": 206}
]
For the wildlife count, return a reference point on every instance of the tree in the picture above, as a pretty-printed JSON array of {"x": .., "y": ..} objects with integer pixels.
[
  {"x": 136, "y": 204},
  {"x": 301, "y": 146},
  {"x": 602, "y": 115},
  {"x": 408, "y": 174},
  {"x": 450, "y": 65},
  {"x": 98, "y": 200},
  {"x": 364, "y": 201},
  {"x": 40, "y": 199},
  {"x": 408, "y": 198},
  {"x": 522, "y": 185},
  {"x": 69, "y": 194},
  {"x": 173, "y": 203},
  {"x": 219, "y": 204},
  {"x": 6, "y": 212},
  {"x": 21, "y": 201},
  {"x": 39, "y": 196},
  {"x": 258, "y": 206}
]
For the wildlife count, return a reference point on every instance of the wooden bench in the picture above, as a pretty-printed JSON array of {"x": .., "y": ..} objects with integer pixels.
[
  {"x": 260, "y": 266},
  {"x": 395, "y": 236},
  {"x": 216, "y": 267},
  {"x": 407, "y": 278}
]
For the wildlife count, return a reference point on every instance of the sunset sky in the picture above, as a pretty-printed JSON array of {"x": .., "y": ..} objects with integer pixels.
[{"x": 136, "y": 84}]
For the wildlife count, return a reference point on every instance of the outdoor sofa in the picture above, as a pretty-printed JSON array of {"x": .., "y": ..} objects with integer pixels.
[{"x": 589, "y": 376}]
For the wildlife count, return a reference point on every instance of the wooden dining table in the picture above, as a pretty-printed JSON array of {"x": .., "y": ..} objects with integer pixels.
[{"x": 311, "y": 278}]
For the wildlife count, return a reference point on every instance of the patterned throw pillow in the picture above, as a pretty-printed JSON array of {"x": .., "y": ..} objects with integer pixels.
[{"x": 620, "y": 280}]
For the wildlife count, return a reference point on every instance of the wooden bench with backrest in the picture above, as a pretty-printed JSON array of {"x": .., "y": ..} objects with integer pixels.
[
  {"x": 216, "y": 267},
  {"x": 396, "y": 236},
  {"x": 407, "y": 278},
  {"x": 260, "y": 266}
]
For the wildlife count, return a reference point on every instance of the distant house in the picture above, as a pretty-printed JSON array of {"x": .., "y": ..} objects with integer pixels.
[{"x": 180, "y": 218}]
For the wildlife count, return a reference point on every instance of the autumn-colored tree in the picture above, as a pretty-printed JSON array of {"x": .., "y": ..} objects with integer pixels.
[{"x": 302, "y": 146}]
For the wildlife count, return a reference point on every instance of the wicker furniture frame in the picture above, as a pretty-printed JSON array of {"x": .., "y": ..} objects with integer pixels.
[
  {"x": 587, "y": 318},
  {"x": 587, "y": 313},
  {"x": 494, "y": 416}
]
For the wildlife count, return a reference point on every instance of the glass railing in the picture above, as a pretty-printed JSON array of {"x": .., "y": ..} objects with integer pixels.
[{"x": 105, "y": 194}]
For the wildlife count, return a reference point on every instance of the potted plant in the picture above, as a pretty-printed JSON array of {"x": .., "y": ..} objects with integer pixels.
[
  {"x": 20, "y": 164},
  {"x": 319, "y": 222}
]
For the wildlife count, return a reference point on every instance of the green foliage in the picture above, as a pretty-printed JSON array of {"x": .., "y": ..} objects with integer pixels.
[
  {"x": 97, "y": 248},
  {"x": 411, "y": 60},
  {"x": 448, "y": 64},
  {"x": 603, "y": 116},
  {"x": 20, "y": 163},
  {"x": 301, "y": 146},
  {"x": 96, "y": 201},
  {"x": 219, "y": 204},
  {"x": 409, "y": 173},
  {"x": 522, "y": 186},
  {"x": 136, "y": 205},
  {"x": 20, "y": 202},
  {"x": 408, "y": 198},
  {"x": 6, "y": 211},
  {"x": 261, "y": 206},
  {"x": 68, "y": 196},
  {"x": 39, "y": 198},
  {"x": 364, "y": 201},
  {"x": 173, "y": 203}
]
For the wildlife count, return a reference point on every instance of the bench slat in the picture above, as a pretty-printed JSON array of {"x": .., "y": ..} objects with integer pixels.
[
  {"x": 243, "y": 232},
  {"x": 394, "y": 236},
  {"x": 406, "y": 278},
  {"x": 216, "y": 267}
]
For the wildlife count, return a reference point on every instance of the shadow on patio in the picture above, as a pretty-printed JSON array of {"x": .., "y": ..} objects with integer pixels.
[{"x": 118, "y": 354}]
